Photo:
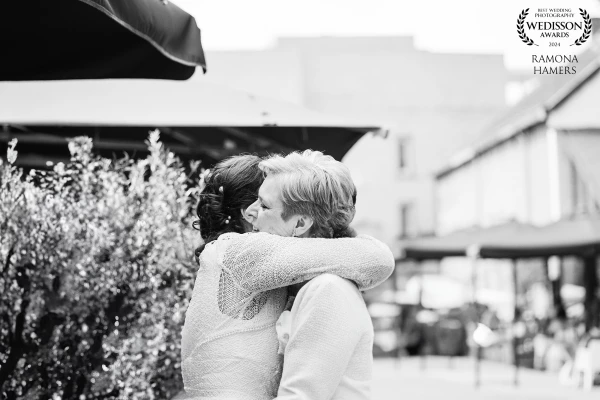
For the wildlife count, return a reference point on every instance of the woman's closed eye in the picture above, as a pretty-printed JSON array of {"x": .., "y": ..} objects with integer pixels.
[{"x": 261, "y": 205}]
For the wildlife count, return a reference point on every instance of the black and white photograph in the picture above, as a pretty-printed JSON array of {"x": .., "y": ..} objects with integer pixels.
[{"x": 299, "y": 200}]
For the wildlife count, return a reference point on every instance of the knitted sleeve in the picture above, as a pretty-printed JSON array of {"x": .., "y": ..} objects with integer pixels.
[{"x": 260, "y": 261}]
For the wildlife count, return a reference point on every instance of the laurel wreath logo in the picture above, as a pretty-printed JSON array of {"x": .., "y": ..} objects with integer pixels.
[
  {"x": 521, "y": 29},
  {"x": 587, "y": 29}
]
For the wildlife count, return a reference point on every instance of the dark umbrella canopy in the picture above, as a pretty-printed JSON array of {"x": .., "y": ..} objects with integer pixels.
[
  {"x": 579, "y": 236},
  {"x": 457, "y": 244},
  {"x": 438, "y": 247},
  {"x": 96, "y": 39}
]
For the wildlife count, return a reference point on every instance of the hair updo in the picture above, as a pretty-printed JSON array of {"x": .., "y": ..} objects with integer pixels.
[{"x": 232, "y": 185}]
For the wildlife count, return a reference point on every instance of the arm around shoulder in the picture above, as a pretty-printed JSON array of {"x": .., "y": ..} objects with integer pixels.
[{"x": 261, "y": 261}]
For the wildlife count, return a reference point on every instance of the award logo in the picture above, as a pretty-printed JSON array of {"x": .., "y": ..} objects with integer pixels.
[{"x": 556, "y": 30}]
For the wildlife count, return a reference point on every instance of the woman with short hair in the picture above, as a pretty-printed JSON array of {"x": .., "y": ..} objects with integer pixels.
[{"x": 229, "y": 342}]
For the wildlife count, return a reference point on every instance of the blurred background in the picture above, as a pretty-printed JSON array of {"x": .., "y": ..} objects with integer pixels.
[
  {"x": 481, "y": 176},
  {"x": 475, "y": 145}
]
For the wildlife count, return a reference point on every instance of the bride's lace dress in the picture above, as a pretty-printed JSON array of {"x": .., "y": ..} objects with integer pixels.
[{"x": 229, "y": 342}]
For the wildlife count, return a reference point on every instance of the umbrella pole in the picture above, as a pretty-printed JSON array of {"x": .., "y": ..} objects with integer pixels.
[
  {"x": 420, "y": 301},
  {"x": 591, "y": 286},
  {"x": 424, "y": 347},
  {"x": 473, "y": 254},
  {"x": 398, "y": 321},
  {"x": 514, "y": 324},
  {"x": 554, "y": 274}
]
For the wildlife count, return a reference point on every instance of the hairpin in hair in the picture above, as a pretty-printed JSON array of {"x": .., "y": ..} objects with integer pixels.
[
  {"x": 228, "y": 219},
  {"x": 196, "y": 224},
  {"x": 221, "y": 189}
]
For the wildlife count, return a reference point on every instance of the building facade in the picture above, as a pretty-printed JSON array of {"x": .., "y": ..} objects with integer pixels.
[
  {"x": 538, "y": 164},
  {"x": 432, "y": 103}
]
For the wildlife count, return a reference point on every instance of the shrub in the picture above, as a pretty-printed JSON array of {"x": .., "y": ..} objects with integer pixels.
[{"x": 96, "y": 271}]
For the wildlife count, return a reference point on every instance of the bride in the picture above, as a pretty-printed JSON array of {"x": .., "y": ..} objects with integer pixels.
[{"x": 229, "y": 340}]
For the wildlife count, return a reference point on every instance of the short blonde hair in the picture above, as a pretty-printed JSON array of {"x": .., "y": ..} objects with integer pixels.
[{"x": 315, "y": 185}]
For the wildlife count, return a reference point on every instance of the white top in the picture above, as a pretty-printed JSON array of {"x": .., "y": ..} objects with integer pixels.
[
  {"x": 229, "y": 343},
  {"x": 329, "y": 353}
]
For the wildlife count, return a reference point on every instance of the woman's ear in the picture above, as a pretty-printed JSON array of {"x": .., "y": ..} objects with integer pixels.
[
  {"x": 247, "y": 219},
  {"x": 247, "y": 215},
  {"x": 303, "y": 225}
]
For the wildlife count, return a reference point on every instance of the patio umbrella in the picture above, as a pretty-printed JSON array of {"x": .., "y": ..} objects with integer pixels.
[
  {"x": 95, "y": 39},
  {"x": 575, "y": 236},
  {"x": 457, "y": 243},
  {"x": 197, "y": 120}
]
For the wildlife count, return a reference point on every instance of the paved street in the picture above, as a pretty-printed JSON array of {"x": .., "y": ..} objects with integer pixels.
[{"x": 437, "y": 379}]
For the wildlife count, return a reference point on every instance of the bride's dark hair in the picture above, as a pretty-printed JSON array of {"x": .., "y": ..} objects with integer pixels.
[{"x": 231, "y": 186}]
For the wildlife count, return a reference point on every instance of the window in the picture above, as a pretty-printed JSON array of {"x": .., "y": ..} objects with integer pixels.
[
  {"x": 407, "y": 223},
  {"x": 404, "y": 154},
  {"x": 581, "y": 197}
]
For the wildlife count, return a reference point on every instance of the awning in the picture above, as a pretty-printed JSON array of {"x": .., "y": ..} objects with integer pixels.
[
  {"x": 94, "y": 39},
  {"x": 579, "y": 236},
  {"x": 438, "y": 247},
  {"x": 458, "y": 243},
  {"x": 197, "y": 119}
]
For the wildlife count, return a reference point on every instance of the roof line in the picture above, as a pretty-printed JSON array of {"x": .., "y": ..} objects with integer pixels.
[
  {"x": 572, "y": 86},
  {"x": 534, "y": 117},
  {"x": 505, "y": 134}
]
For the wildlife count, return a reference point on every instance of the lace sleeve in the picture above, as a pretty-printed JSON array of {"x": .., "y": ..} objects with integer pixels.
[{"x": 261, "y": 261}]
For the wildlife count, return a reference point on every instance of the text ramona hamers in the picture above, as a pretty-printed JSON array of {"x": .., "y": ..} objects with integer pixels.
[{"x": 554, "y": 58}]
